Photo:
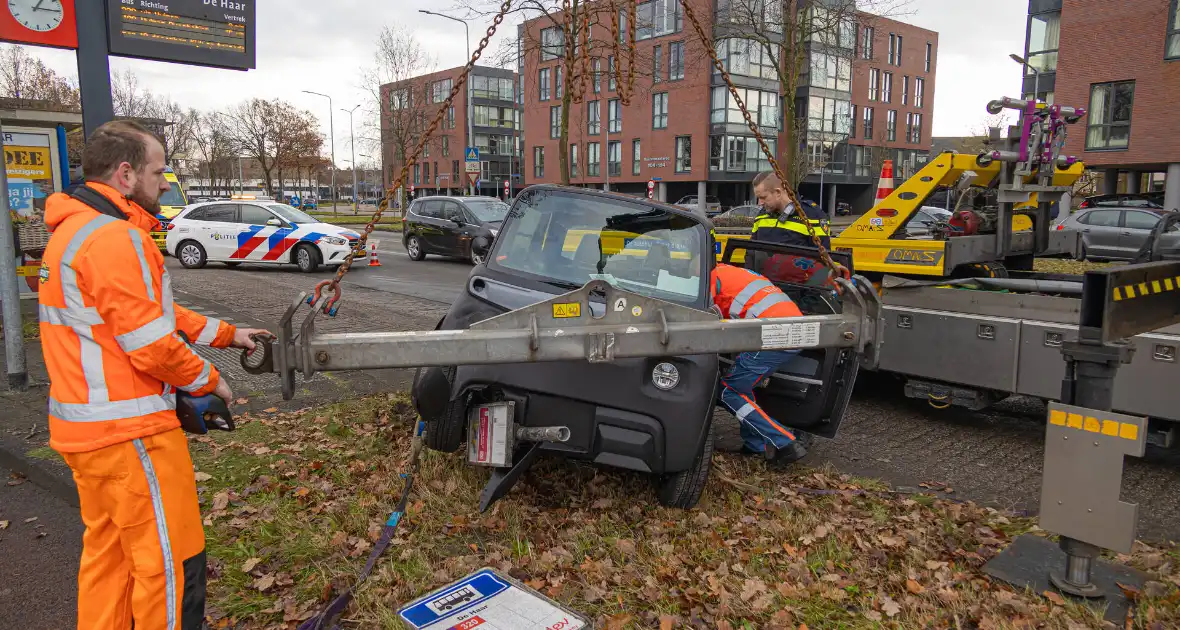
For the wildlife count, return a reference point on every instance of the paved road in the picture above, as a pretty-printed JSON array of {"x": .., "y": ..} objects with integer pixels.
[{"x": 994, "y": 456}]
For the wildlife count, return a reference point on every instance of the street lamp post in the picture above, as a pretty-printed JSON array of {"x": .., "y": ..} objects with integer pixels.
[
  {"x": 1036, "y": 76},
  {"x": 467, "y": 35},
  {"x": 352, "y": 142},
  {"x": 332, "y": 131}
]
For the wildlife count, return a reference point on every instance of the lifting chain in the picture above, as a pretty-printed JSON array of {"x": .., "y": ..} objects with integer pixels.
[
  {"x": 334, "y": 283},
  {"x": 836, "y": 268},
  {"x": 577, "y": 89},
  {"x": 624, "y": 93}
]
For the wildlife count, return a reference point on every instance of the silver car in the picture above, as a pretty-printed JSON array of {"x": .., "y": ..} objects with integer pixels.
[{"x": 1116, "y": 233}]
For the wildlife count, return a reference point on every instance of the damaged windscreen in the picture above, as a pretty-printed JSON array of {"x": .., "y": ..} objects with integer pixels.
[{"x": 567, "y": 239}]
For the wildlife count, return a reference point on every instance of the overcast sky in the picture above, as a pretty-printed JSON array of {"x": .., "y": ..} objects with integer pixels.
[{"x": 321, "y": 46}]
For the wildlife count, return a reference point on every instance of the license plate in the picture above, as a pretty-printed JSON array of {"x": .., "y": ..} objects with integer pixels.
[{"x": 489, "y": 434}]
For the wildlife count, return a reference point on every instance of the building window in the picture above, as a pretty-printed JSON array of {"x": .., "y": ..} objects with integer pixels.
[
  {"x": 455, "y": 172},
  {"x": 929, "y": 55},
  {"x": 488, "y": 116},
  {"x": 1044, "y": 34},
  {"x": 614, "y": 158},
  {"x": 892, "y": 49},
  {"x": 659, "y": 111},
  {"x": 597, "y": 69},
  {"x": 746, "y": 57},
  {"x": 538, "y": 162},
  {"x": 655, "y": 19},
  {"x": 919, "y": 92},
  {"x": 866, "y": 42},
  {"x": 560, "y": 80},
  {"x": 676, "y": 61},
  {"x": 446, "y": 145},
  {"x": 909, "y": 126},
  {"x": 440, "y": 90},
  {"x": 555, "y": 121},
  {"x": 492, "y": 88},
  {"x": 426, "y": 150},
  {"x": 852, "y": 122},
  {"x": 543, "y": 83},
  {"x": 763, "y": 107},
  {"x": 610, "y": 73},
  {"x": 830, "y": 71},
  {"x": 426, "y": 175},
  {"x": 898, "y": 55},
  {"x": 552, "y": 43},
  {"x": 657, "y": 64},
  {"x": 868, "y": 123},
  {"x": 828, "y": 115},
  {"x": 593, "y": 118},
  {"x": 399, "y": 99},
  {"x": 614, "y": 114},
  {"x": 887, "y": 87},
  {"x": 739, "y": 154},
  {"x": 593, "y": 159},
  {"x": 451, "y": 117},
  {"x": 1173, "y": 49},
  {"x": 1109, "y": 119},
  {"x": 573, "y": 160},
  {"x": 683, "y": 154},
  {"x": 874, "y": 84},
  {"x": 417, "y": 175},
  {"x": 917, "y": 135},
  {"x": 905, "y": 90},
  {"x": 891, "y": 126},
  {"x": 636, "y": 157}
]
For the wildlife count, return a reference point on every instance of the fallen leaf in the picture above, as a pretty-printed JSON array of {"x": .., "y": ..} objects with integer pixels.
[
  {"x": 261, "y": 450},
  {"x": 1155, "y": 589},
  {"x": 221, "y": 500},
  {"x": 889, "y": 607},
  {"x": 4, "y": 524},
  {"x": 338, "y": 538},
  {"x": 618, "y": 622},
  {"x": 270, "y": 410},
  {"x": 203, "y": 476},
  {"x": 241, "y": 401},
  {"x": 30, "y": 520},
  {"x": 627, "y": 547},
  {"x": 42, "y": 534},
  {"x": 249, "y": 565},
  {"x": 873, "y": 615},
  {"x": 264, "y": 582},
  {"x": 820, "y": 531},
  {"x": 1056, "y": 598},
  {"x": 666, "y": 622},
  {"x": 913, "y": 587},
  {"x": 16, "y": 481},
  {"x": 935, "y": 565}
]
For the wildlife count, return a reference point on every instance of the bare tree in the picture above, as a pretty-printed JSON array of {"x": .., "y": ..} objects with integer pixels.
[
  {"x": 27, "y": 80},
  {"x": 130, "y": 100},
  {"x": 253, "y": 127},
  {"x": 215, "y": 148},
  {"x": 179, "y": 127},
  {"x": 390, "y": 83}
]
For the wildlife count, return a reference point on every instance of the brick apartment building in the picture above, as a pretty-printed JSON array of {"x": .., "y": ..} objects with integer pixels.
[
  {"x": 488, "y": 103},
  {"x": 684, "y": 131},
  {"x": 1120, "y": 60}
]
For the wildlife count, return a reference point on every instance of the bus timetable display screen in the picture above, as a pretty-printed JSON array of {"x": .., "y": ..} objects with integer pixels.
[{"x": 217, "y": 33}]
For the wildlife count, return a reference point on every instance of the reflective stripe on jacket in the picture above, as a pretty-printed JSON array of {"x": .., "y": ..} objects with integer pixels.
[
  {"x": 108, "y": 328},
  {"x": 789, "y": 231},
  {"x": 741, "y": 293}
]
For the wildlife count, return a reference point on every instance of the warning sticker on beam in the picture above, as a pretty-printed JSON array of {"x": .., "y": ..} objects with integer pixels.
[
  {"x": 488, "y": 601},
  {"x": 783, "y": 336}
]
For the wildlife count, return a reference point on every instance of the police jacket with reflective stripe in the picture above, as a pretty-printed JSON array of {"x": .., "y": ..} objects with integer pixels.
[
  {"x": 108, "y": 328},
  {"x": 741, "y": 293},
  {"x": 788, "y": 231}
]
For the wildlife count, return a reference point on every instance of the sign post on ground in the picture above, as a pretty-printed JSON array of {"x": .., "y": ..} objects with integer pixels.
[
  {"x": 471, "y": 156},
  {"x": 651, "y": 189},
  {"x": 14, "y": 341}
]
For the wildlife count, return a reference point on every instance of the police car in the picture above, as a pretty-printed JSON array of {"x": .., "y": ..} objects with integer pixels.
[{"x": 256, "y": 231}]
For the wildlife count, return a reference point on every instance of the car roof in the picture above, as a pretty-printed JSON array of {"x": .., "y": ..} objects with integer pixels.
[
  {"x": 594, "y": 192},
  {"x": 1159, "y": 211}
]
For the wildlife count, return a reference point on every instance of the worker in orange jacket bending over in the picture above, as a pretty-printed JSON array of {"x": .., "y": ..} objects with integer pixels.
[
  {"x": 109, "y": 333},
  {"x": 741, "y": 293}
]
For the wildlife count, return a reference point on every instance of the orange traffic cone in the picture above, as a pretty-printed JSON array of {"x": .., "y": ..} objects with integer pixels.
[
  {"x": 885, "y": 184},
  {"x": 373, "y": 262}
]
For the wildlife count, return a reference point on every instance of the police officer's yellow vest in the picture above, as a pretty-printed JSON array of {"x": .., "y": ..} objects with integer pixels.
[{"x": 791, "y": 224}]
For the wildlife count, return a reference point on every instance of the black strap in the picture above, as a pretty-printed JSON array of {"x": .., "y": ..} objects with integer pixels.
[{"x": 97, "y": 202}]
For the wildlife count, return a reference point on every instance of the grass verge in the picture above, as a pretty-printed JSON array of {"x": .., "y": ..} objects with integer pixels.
[
  {"x": 294, "y": 502},
  {"x": 30, "y": 328}
]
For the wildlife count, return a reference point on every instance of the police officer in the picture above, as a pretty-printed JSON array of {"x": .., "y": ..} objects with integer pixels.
[{"x": 778, "y": 222}]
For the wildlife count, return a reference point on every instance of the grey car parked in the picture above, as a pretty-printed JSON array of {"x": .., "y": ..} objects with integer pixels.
[{"x": 1116, "y": 233}]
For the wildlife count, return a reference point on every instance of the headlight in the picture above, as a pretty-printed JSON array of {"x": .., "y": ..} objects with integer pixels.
[
  {"x": 333, "y": 240},
  {"x": 665, "y": 376}
]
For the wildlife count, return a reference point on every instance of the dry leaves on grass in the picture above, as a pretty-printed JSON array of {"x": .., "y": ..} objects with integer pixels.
[{"x": 596, "y": 540}]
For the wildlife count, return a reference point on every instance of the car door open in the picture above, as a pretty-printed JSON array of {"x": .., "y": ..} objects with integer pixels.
[{"x": 811, "y": 392}]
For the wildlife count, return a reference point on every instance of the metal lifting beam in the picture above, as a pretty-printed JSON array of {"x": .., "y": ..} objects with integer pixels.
[{"x": 597, "y": 323}]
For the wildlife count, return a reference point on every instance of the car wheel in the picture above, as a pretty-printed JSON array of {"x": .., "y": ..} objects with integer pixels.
[
  {"x": 477, "y": 259},
  {"x": 446, "y": 434},
  {"x": 307, "y": 258},
  {"x": 232, "y": 265},
  {"x": 414, "y": 248},
  {"x": 683, "y": 489},
  {"x": 191, "y": 255}
]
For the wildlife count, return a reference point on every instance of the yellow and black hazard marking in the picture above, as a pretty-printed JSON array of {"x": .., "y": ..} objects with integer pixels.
[
  {"x": 1144, "y": 289},
  {"x": 1092, "y": 424}
]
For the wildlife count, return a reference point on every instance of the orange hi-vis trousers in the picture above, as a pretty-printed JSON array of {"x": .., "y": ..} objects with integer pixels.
[{"x": 143, "y": 552}]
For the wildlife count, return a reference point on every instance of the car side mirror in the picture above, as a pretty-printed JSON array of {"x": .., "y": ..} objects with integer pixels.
[
  {"x": 480, "y": 245},
  {"x": 274, "y": 222}
]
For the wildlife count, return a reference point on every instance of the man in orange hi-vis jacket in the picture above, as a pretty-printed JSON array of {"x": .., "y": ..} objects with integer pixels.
[
  {"x": 740, "y": 293},
  {"x": 109, "y": 331}
]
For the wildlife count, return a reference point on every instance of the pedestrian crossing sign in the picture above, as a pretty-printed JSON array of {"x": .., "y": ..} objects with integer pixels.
[{"x": 472, "y": 154}]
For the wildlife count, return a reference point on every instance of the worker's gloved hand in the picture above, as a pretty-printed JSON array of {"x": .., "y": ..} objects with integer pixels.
[
  {"x": 242, "y": 339},
  {"x": 223, "y": 392}
]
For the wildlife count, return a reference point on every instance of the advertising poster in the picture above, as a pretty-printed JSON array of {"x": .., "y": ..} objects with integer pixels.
[{"x": 29, "y": 163}]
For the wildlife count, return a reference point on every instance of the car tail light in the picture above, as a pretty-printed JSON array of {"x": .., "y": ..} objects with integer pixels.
[
  {"x": 1085, "y": 204},
  {"x": 1060, "y": 226}
]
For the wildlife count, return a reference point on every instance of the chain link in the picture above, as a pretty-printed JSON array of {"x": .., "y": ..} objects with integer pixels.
[
  {"x": 334, "y": 283},
  {"x": 825, "y": 257},
  {"x": 617, "y": 72}
]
